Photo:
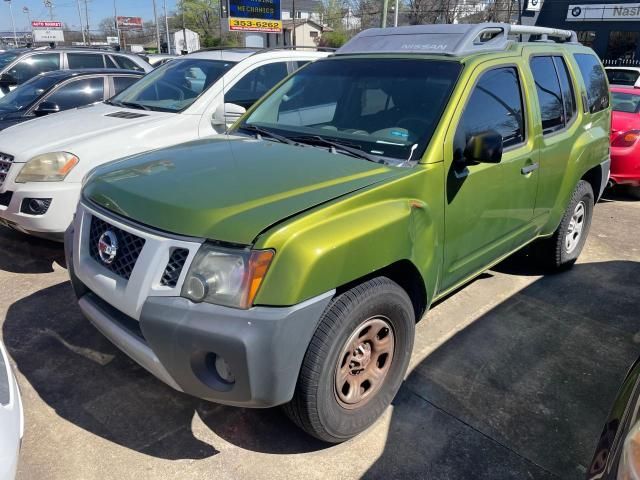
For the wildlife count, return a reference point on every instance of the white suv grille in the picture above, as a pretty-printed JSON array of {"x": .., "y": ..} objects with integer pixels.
[{"x": 5, "y": 164}]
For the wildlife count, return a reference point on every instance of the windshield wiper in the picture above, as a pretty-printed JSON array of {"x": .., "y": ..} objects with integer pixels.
[
  {"x": 354, "y": 151},
  {"x": 267, "y": 133}
]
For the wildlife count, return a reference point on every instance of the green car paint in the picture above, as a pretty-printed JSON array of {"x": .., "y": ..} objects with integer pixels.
[{"x": 333, "y": 219}]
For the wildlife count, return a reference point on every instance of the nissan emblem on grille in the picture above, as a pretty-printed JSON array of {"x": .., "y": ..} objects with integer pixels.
[{"x": 108, "y": 247}]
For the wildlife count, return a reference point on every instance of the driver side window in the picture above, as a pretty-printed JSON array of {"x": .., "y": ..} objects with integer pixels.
[
  {"x": 495, "y": 104},
  {"x": 34, "y": 65}
]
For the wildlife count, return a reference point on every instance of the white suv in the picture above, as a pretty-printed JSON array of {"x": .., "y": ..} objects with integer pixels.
[{"x": 43, "y": 161}]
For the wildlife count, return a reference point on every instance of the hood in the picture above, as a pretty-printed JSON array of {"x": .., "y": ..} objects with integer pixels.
[
  {"x": 228, "y": 189},
  {"x": 59, "y": 131},
  {"x": 6, "y": 122}
]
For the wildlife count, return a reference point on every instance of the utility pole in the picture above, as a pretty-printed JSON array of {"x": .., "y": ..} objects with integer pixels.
[
  {"x": 49, "y": 4},
  {"x": 13, "y": 23},
  {"x": 166, "y": 26},
  {"x": 115, "y": 21},
  {"x": 184, "y": 31},
  {"x": 84, "y": 40},
  {"x": 155, "y": 19},
  {"x": 385, "y": 7},
  {"x": 293, "y": 15},
  {"x": 86, "y": 16},
  {"x": 395, "y": 16}
]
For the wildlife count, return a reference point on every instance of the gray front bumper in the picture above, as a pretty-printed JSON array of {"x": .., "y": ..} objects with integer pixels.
[{"x": 177, "y": 341}]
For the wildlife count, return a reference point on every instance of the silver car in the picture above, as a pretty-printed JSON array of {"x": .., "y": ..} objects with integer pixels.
[{"x": 11, "y": 419}]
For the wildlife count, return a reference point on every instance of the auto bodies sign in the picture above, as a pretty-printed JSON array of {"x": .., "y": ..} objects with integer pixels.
[
  {"x": 255, "y": 16},
  {"x": 604, "y": 12},
  {"x": 47, "y": 31}
]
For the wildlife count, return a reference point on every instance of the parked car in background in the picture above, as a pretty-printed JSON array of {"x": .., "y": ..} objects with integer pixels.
[
  {"x": 53, "y": 92},
  {"x": 617, "y": 456},
  {"x": 288, "y": 262},
  {"x": 623, "y": 76},
  {"x": 625, "y": 136},
  {"x": 18, "y": 66},
  {"x": 42, "y": 162},
  {"x": 11, "y": 419}
]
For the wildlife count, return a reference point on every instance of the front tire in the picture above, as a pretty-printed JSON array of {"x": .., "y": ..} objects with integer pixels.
[
  {"x": 356, "y": 361},
  {"x": 561, "y": 250}
]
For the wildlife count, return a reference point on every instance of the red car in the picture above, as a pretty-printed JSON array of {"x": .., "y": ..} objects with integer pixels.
[{"x": 625, "y": 137}]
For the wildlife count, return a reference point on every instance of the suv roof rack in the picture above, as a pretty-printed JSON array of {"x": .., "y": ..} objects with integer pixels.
[
  {"x": 454, "y": 40},
  {"x": 255, "y": 50}
]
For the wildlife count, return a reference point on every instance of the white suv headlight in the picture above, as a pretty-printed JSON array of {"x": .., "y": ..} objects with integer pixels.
[{"x": 49, "y": 167}]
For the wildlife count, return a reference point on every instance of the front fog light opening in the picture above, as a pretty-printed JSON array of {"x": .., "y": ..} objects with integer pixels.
[
  {"x": 35, "y": 206},
  {"x": 213, "y": 370}
]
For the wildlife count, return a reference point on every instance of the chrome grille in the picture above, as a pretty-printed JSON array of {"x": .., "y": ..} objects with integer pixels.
[
  {"x": 129, "y": 248},
  {"x": 174, "y": 267},
  {"x": 5, "y": 164}
]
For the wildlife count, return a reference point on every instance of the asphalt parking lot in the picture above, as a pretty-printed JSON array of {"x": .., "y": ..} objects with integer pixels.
[{"x": 512, "y": 377}]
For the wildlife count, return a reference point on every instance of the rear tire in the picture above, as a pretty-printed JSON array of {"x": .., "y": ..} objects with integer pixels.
[
  {"x": 356, "y": 361},
  {"x": 561, "y": 250}
]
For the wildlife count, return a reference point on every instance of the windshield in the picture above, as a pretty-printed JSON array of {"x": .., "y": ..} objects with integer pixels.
[
  {"x": 174, "y": 86},
  {"x": 7, "y": 57},
  {"x": 622, "y": 77},
  {"x": 625, "y": 102},
  {"x": 23, "y": 96},
  {"x": 385, "y": 107}
]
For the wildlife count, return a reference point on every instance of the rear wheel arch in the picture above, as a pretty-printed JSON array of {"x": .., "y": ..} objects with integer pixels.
[{"x": 594, "y": 178}]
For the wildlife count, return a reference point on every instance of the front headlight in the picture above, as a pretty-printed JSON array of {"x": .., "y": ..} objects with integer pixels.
[
  {"x": 225, "y": 276},
  {"x": 49, "y": 167}
]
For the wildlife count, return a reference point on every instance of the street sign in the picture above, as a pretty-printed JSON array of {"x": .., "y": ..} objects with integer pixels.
[
  {"x": 255, "y": 16},
  {"x": 129, "y": 23},
  {"x": 47, "y": 32},
  {"x": 111, "y": 40}
]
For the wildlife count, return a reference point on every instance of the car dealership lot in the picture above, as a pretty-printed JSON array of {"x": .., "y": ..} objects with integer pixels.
[{"x": 512, "y": 376}]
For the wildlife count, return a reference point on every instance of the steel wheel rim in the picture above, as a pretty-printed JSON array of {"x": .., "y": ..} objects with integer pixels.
[
  {"x": 364, "y": 362},
  {"x": 575, "y": 228}
]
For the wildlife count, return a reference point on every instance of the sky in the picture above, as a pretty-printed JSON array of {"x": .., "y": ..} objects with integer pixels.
[{"x": 67, "y": 11}]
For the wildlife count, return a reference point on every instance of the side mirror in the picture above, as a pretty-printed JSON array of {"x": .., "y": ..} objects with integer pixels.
[
  {"x": 226, "y": 114},
  {"x": 8, "y": 80},
  {"x": 484, "y": 147},
  {"x": 45, "y": 108}
]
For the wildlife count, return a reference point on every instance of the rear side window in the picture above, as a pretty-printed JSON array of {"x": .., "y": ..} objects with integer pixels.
[
  {"x": 594, "y": 80},
  {"x": 127, "y": 63},
  {"x": 120, "y": 83},
  {"x": 568, "y": 97},
  {"x": 85, "y": 60},
  {"x": 495, "y": 104},
  {"x": 622, "y": 76},
  {"x": 549, "y": 94},
  {"x": 555, "y": 95}
]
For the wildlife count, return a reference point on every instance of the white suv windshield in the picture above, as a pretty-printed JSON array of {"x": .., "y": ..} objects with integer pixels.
[
  {"x": 385, "y": 107},
  {"x": 174, "y": 86}
]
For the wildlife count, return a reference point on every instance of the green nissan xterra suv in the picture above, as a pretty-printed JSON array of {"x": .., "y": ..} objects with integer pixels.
[{"x": 287, "y": 263}]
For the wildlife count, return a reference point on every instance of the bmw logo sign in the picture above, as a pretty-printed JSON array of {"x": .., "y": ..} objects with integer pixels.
[
  {"x": 534, "y": 3},
  {"x": 576, "y": 11},
  {"x": 108, "y": 247}
]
